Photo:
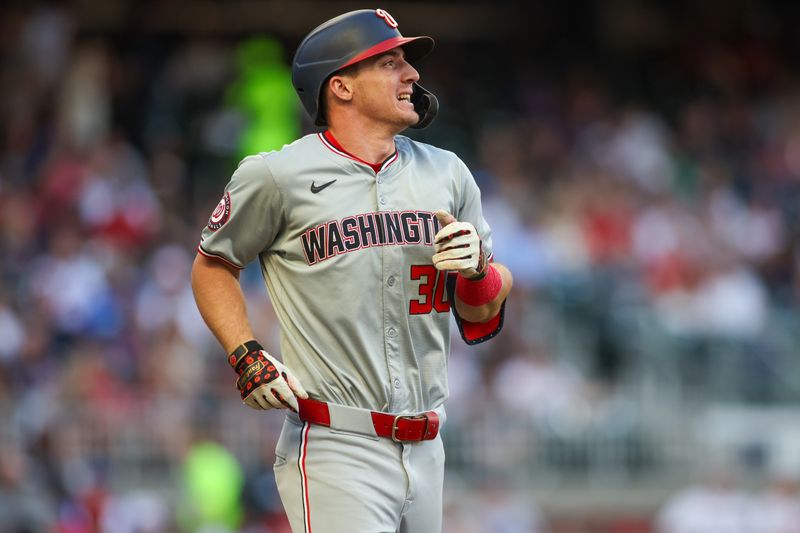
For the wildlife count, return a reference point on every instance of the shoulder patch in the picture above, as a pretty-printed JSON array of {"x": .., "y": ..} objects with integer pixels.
[{"x": 221, "y": 213}]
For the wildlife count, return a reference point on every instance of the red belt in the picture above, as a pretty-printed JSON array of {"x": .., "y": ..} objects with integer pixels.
[{"x": 399, "y": 428}]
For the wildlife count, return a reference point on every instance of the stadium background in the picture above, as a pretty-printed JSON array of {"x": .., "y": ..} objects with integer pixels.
[{"x": 640, "y": 167}]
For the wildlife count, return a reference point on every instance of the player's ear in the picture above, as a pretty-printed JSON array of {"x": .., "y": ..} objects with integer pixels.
[{"x": 341, "y": 87}]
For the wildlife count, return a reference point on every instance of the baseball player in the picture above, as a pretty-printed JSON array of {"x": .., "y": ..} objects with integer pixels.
[{"x": 367, "y": 242}]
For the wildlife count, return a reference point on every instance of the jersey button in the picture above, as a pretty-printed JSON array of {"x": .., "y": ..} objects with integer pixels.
[
  {"x": 391, "y": 332},
  {"x": 382, "y": 200},
  {"x": 396, "y": 383},
  {"x": 390, "y": 281}
]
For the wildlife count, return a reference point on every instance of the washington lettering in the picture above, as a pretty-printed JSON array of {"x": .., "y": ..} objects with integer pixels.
[{"x": 386, "y": 228}]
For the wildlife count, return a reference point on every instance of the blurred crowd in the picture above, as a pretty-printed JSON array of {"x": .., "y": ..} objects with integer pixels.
[{"x": 116, "y": 406}]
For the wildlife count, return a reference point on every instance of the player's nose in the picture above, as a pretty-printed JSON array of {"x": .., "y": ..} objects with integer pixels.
[{"x": 410, "y": 74}]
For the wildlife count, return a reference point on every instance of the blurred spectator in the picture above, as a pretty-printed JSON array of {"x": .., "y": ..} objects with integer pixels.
[
  {"x": 643, "y": 187},
  {"x": 25, "y": 505},
  {"x": 718, "y": 506},
  {"x": 165, "y": 300},
  {"x": 85, "y": 104},
  {"x": 502, "y": 511},
  {"x": 71, "y": 286},
  {"x": 136, "y": 512},
  {"x": 213, "y": 482},
  {"x": 264, "y": 95},
  {"x": 499, "y": 510},
  {"x": 714, "y": 505},
  {"x": 776, "y": 509},
  {"x": 533, "y": 382}
]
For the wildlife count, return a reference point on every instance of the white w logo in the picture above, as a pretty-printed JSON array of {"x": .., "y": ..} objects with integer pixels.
[{"x": 387, "y": 17}]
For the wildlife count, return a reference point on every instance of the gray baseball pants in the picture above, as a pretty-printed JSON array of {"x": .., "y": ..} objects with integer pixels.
[{"x": 336, "y": 481}]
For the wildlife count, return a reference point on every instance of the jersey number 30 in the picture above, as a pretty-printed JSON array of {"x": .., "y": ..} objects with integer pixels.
[{"x": 431, "y": 290}]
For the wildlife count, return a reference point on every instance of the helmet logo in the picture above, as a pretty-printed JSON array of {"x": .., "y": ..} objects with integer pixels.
[{"x": 386, "y": 17}]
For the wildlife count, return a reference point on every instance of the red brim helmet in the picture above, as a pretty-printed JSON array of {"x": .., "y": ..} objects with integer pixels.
[{"x": 346, "y": 40}]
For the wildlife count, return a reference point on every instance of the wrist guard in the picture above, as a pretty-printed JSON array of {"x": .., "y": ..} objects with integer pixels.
[
  {"x": 479, "y": 291},
  {"x": 254, "y": 368}
]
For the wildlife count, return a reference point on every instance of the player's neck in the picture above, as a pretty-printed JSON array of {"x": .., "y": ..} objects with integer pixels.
[{"x": 368, "y": 144}]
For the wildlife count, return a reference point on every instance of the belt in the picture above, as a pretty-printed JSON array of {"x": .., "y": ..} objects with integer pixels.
[{"x": 399, "y": 428}]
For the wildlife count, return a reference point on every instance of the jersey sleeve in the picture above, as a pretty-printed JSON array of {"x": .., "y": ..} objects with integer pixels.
[
  {"x": 468, "y": 209},
  {"x": 247, "y": 218}
]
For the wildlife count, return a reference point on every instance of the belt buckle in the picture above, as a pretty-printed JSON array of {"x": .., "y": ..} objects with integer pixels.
[{"x": 424, "y": 431}]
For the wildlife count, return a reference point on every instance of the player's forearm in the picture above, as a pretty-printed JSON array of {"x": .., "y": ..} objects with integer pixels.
[
  {"x": 489, "y": 310},
  {"x": 221, "y": 302}
]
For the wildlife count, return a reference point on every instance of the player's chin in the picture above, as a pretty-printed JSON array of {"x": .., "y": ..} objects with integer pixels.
[{"x": 407, "y": 117}]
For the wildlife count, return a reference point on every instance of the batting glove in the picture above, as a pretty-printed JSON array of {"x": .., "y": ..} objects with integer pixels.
[
  {"x": 458, "y": 247},
  {"x": 264, "y": 383}
]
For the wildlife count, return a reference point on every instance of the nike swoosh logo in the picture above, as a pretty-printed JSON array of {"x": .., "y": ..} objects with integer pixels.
[{"x": 316, "y": 188}]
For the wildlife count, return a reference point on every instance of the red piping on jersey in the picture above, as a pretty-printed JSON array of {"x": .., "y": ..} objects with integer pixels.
[
  {"x": 217, "y": 258},
  {"x": 304, "y": 477},
  {"x": 333, "y": 145}
]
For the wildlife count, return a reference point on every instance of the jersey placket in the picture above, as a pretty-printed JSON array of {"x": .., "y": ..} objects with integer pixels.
[{"x": 393, "y": 304}]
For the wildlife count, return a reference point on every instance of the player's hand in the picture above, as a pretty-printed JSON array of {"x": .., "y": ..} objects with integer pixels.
[
  {"x": 264, "y": 382},
  {"x": 458, "y": 247}
]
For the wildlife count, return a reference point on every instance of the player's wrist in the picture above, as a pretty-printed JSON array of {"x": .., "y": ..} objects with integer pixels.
[
  {"x": 237, "y": 357},
  {"x": 478, "y": 292},
  {"x": 253, "y": 366}
]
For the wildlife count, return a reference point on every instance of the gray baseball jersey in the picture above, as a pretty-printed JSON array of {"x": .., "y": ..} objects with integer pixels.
[{"x": 346, "y": 255}]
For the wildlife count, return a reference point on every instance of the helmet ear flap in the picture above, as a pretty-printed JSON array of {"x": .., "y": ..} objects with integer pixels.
[
  {"x": 425, "y": 104},
  {"x": 345, "y": 40}
]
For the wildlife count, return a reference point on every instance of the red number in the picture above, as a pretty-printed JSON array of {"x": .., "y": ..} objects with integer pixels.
[
  {"x": 431, "y": 288},
  {"x": 423, "y": 307},
  {"x": 439, "y": 302}
]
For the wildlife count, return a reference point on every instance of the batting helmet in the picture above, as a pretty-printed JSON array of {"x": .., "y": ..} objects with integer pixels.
[{"x": 346, "y": 40}]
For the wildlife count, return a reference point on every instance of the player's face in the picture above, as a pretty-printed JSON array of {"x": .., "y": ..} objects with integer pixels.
[{"x": 383, "y": 89}]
